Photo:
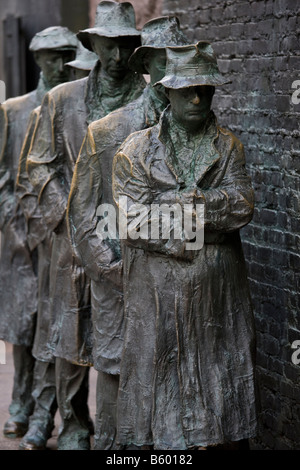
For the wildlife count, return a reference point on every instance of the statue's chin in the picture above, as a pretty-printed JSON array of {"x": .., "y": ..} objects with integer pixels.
[
  {"x": 193, "y": 122},
  {"x": 117, "y": 74}
]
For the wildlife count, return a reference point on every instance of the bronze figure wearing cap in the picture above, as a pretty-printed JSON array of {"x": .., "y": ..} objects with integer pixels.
[
  {"x": 51, "y": 48},
  {"x": 61, "y": 127},
  {"x": 113, "y": 20},
  {"x": 91, "y": 187},
  {"x": 189, "y": 345},
  {"x": 40, "y": 239}
]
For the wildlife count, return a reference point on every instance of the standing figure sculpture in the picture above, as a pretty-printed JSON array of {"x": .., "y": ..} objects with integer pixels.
[
  {"x": 91, "y": 187},
  {"x": 51, "y": 47},
  {"x": 61, "y": 127},
  {"x": 38, "y": 237},
  {"x": 189, "y": 339}
]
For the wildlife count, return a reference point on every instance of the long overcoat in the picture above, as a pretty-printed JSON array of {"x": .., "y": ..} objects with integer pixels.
[
  {"x": 92, "y": 187},
  {"x": 187, "y": 371},
  {"x": 65, "y": 114},
  {"x": 18, "y": 264},
  {"x": 38, "y": 238}
]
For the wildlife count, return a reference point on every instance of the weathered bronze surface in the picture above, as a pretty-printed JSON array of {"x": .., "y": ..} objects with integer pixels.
[
  {"x": 169, "y": 327},
  {"x": 38, "y": 237},
  {"x": 56, "y": 143},
  {"x": 14, "y": 116},
  {"x": 65, "y": 114},
  {"x": 189, "y": 340},
  {"x": 91, "y": 186},
  {"x": 19, "y": 261}
]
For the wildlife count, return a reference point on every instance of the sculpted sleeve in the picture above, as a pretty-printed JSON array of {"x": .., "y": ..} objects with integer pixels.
[
  {"x": 138, "y": 202},
  {"x": 227, "y": 203},
  {"x": 36, "y": 227},
  {"x": 97, "y": 255},
  {"x": 230, "y": 205},
  {"x": 45, "y": 165}
]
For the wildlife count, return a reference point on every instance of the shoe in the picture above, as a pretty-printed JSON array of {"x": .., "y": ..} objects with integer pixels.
[
  {"x": 75, "y": 440},
  {"x": 36, "y": 437},
  {"x": 26, "y": 445},
  {"x": 15, "y": 426}
]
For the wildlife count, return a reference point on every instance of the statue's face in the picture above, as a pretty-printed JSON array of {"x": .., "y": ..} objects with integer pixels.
[
  {"x": 155, "y": 64},
  {"x": 113, "y": 54},
  {"x": 191, "y": 106},
  {"x": 52, "y": 64}
]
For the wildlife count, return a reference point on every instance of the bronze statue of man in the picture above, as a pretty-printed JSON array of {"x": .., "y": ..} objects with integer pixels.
[
  {"x": 189, "y": 339},
  {"x": 51, "y": 47},
  {"x": 91, "y": 187},
  {"x": 39, "y": 238},
  {"x": 64, "y": 117}
]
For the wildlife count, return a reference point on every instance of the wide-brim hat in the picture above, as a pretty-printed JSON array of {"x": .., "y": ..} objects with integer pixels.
[
  {"x": 192, "y": 65},
  {"x": 112, "y": 20},
  {"x": 84, "y": 60},
  {"x": 54, "y": 37},
  {"x": 156, "y": 34}
]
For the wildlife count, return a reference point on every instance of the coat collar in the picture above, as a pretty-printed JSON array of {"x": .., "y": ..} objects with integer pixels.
[
  {"x": 205, "y": 153},
  {"x": 153, "y": 106},
  {"x": 100, "y": 85}
]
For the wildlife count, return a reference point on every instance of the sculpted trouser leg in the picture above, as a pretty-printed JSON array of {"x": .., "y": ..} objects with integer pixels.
[
  {"x": 22, "y": 403},
  {"x": 72, "y": 390},
  {"x": 106, "y": 412},
  {"x": 41, "y": 422}
]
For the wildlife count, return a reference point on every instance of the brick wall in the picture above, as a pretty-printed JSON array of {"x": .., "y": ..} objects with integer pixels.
[{"x": 257, "y": 46}]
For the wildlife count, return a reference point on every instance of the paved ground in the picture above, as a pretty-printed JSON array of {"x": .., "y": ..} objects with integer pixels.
[{"x": 6, "y": 381}]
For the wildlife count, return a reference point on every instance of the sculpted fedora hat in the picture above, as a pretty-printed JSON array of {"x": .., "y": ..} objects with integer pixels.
[
  {"x": 84, "y": 60},
  {"x": 192, "y": 65},
  {"x": 54, "y": 37},
  {"x": 112, "y": 20},
  {"x": 157, "y": 34}
]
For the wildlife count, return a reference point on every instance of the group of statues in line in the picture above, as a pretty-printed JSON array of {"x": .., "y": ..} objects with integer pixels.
[{"x": 168, "y": 328}]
